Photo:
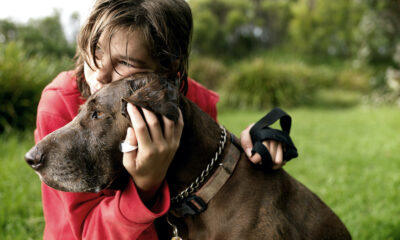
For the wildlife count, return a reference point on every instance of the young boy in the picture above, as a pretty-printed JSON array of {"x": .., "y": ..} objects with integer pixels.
[{"x": 121, "y": 38}]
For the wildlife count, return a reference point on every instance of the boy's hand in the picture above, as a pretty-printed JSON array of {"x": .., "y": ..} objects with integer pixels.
[
  {"x": 148, "y": 165},
  {"x": 275, "y": 149}
]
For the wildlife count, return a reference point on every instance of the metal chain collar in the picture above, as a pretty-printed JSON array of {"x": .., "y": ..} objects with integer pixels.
[{"x": 199, "y": 180}]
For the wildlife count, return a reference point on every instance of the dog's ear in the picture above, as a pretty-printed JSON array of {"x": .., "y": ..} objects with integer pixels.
[
  {"x": 124, "y": 110},
  {"x": 158, "y": 95}
]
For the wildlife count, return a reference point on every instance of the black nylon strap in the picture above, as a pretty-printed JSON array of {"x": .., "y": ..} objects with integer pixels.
[
  {"x": 261, "y": 132},
  {"x": 266, "y": 159},
  {"x": 271, "y": 117}
]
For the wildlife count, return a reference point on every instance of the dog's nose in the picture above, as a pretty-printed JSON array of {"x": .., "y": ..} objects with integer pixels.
[{"x": 34, "y": 158}]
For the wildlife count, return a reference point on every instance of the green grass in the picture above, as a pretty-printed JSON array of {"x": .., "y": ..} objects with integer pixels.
[
  {"x": 347, "y": 156},
  {"x": 20, "y": 200}
]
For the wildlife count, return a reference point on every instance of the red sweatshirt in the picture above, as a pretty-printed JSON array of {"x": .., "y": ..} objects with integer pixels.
[{"x": 109, "y": 214}]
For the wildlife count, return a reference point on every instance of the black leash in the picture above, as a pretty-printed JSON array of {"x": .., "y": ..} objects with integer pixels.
[{"x": 261, "y": 132}]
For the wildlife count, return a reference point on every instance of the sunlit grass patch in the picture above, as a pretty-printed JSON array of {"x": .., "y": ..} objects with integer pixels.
[
  {"x": 349, "y": 157},
  {"x": 20, "y": 200}
]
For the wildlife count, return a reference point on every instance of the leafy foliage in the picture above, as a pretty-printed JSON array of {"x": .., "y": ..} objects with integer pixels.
[
  {"x": 229, "y": 42},
  {"x": 43, "y": 36},
  {"x": 325, "y": 27},
  {"x": 31, "y": 55},
  {"x": 364, "y": 32},
  {"x": 22, "y": 80},
  {"x": 237, "y": 28},
  {"x": 378, "y": 32},
  {"x": 208, "y": 71}
]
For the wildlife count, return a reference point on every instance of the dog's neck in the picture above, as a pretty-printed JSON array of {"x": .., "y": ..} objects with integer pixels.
[{"x": 199, "y": 143}]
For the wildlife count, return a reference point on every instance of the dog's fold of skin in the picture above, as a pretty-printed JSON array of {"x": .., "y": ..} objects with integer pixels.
[{"x": 253, "y": 204}]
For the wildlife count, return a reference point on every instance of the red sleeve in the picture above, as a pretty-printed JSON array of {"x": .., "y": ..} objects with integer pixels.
[
  {"x": 204, "y": 98},
  {"x": 110, "y": 214}
]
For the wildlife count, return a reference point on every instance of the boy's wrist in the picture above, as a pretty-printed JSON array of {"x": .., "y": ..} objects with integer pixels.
[{"x": 147, "y": 189}]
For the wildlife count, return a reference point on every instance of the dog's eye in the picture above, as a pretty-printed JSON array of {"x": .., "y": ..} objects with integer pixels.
[{"x": 97, "y": 115}]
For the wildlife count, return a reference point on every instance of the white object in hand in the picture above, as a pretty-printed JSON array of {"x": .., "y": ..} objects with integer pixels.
[{"x": 126, "y": 147}]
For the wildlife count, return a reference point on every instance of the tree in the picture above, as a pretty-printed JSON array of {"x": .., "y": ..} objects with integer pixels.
[
  {"x": 325, "y": 27},
  {"x": 43, "y": 36},
  {"x": 378, "y": 33},
  {"x": 237, "y": 28}
]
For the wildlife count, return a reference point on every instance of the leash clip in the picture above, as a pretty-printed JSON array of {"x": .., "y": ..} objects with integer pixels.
[
  {"x": 174, "y": 230},
  {"x": 191, "y": 205}
]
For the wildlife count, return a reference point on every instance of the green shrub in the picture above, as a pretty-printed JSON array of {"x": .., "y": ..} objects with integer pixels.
[
  {"x": 325, "y": 28},
  {"x": 22, "y": 80},
  {"x": 355, "y": 79},
  {"x": 263, "y": 83},
  {"x": 237, "y": 28},
  {"x": 208, "y": 71}
]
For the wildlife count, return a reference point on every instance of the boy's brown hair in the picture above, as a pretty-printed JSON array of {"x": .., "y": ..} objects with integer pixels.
[{"x": 166, "y": 26}]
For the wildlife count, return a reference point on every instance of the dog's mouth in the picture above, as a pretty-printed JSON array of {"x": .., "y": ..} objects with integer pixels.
[
  {"x": 94, "y": 189},
  {"x": 74, "y": 187},
  {"x": 76, "y": 184}
]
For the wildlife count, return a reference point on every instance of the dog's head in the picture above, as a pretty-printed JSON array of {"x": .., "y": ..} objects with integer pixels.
[{"x": 84, "y": 155}]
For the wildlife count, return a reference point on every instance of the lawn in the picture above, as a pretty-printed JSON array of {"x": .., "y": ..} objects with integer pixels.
[
  {"x": 20, "y": 199},
  {"x": 347, "y": 156}
]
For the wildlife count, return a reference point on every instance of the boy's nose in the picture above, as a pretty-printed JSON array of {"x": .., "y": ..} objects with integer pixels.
[
  {"x": 104, "y": 72},
  {"x": 103, "y": 77}
]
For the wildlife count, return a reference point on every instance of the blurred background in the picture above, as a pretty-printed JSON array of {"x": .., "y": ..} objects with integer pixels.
[{"x": 332, "y": 65}]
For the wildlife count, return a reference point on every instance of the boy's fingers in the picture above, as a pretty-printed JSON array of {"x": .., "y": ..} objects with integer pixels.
[
  {"x": 169, "y": 128},
  {"x": 245, "y": 141},
  {"x": 273, "y": 145},
  {"x": 256, "y": 158},
  {"x": 278, "y": 160},
  {"x": 153, "y": 125},
  {"x": 131, "y": 137},
  {"x": 139, "y": 125},
  {"x": 180, "y": 125}
]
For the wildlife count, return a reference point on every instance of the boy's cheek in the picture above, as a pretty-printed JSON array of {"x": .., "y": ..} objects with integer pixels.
[{"x": 93, "y": 84}]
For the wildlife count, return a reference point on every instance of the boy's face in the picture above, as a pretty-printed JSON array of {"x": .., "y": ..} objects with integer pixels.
[{"x": 127, "y": 53}]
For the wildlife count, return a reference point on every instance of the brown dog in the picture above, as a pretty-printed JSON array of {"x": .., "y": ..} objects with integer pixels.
[{"x": 240, "y": 201}]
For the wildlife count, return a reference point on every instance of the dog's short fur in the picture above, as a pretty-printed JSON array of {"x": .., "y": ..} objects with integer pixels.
[{"x": 84, "y": 156}]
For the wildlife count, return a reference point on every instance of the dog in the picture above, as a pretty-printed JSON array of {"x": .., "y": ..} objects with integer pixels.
[{"x": 216, "y": 192}]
